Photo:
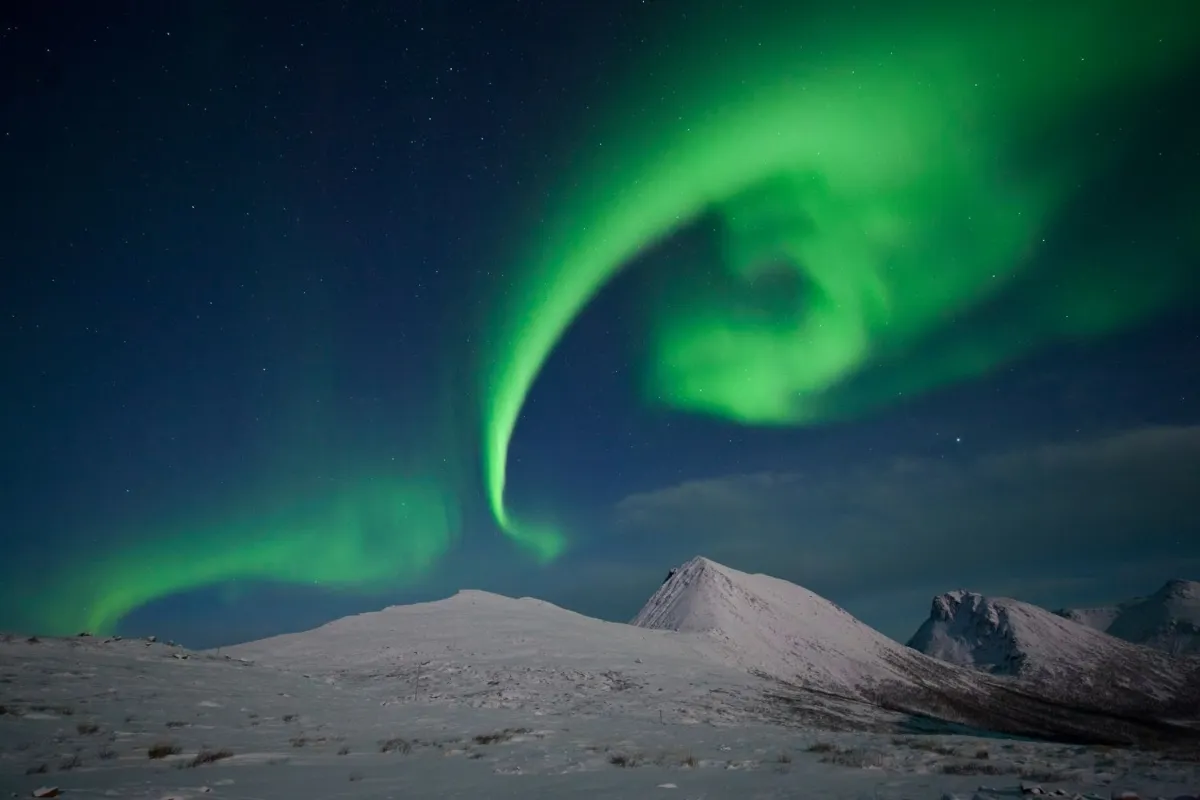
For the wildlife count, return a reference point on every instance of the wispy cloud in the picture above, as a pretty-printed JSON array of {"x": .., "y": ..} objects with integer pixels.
[{"x": 1061, "y": 520}]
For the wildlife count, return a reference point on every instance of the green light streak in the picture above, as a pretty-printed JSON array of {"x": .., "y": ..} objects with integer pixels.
[
  {"x": 370, "y": 538},
  {"x": 874, "y": 159}
]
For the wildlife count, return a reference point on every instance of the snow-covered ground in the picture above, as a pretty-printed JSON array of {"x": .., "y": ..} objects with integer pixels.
[
  {"x": 88, "y": 712},
  {"x": 730, "y": 685}
]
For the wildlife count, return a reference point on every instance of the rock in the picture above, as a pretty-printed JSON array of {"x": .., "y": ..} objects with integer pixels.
[
  {"x": 1031, "y": 788},
  {"x": 46, "y": 791},
  {"x": 667, "y": 786},
  {"x": 151, "y": 638},
  {"x": 1125, "y": 795}
]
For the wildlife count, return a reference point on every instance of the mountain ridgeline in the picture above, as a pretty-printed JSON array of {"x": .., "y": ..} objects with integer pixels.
[{"x": 717, "y": 646}]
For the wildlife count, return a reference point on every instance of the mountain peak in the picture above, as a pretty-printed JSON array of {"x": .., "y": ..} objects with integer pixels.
[
  {"x": 1009, "y": 637},
  {"x": 949, "y": 605},
  {"x": 970, "y": 630},
  {"x": 1168, "y": 620},
  {"x": 1179, "y": 589},
  {"x": 774, "y": 626},
  {"x": 691, "y": 599}
]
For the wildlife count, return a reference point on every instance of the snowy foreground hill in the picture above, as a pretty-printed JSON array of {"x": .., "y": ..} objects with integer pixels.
[
  {"x": 1168, "y": 620},
  {"x": 726, "y": 685}
]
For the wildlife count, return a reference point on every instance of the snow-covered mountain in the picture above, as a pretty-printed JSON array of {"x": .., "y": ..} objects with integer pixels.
[
  {"x": 713, "y": 645},
  {"x": 1002, "y": 636},
  {"x": 489, "y": 651},
  {"x": 766, "y": 624},
  {"x": 1168, "y": 620}
]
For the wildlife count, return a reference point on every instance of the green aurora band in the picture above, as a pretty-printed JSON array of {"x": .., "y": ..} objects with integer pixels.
[
  {"x": 880, "y": 165},
  {"x": 370, "y": 537}
]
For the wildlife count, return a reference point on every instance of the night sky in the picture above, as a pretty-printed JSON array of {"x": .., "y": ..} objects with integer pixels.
[{"x": 313, "y": 307}]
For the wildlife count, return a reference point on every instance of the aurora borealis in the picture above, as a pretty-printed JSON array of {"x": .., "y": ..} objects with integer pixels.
[
  {"x": 329, "y": 310},
  {"x": 883, "y": 179},
  {"x": 380, "y": 533}
]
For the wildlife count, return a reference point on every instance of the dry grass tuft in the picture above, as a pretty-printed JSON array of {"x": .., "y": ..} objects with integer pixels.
[
  {"x": 623, "y": 760},
  {"x": 396, "y": 745},
  {"x": 499, "y": 736},
  {"x": 973, "y": 768},
  {"x": 209, "y": 757},
  {"x": 1044, "y": 776},
  {"x": 164, "y": 749}
]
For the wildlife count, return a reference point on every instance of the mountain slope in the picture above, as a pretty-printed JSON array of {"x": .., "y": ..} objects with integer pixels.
[
  {"x": 784, "y": 631},
  {"x": 769, "y": 625},
  {"x": 713, "y": 645},
  {"x": 1003, "y": 636},
  {"x": 1168, "y": 620},
  {"x": 484, "y": 650}
]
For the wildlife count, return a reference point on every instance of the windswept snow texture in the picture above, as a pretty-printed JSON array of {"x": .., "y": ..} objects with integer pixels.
[
  {"x": 1168, "y": 620},
  {"x": 1002, "y": 636},
  {"x": 83, "y": 715}
]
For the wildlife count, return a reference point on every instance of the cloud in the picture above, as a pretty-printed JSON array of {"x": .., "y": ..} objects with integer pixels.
[{"x": 1116, "y": 509}]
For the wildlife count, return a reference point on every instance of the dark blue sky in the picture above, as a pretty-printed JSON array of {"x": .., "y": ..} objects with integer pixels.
[{"x": 243, "y": 256}]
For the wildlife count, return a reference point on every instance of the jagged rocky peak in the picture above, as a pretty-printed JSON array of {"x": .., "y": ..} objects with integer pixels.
[
  {"x": 1180, "y": 589},
  {"x": 948, "y": 605},
  {"x": 969, "y": 609}
]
